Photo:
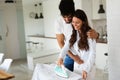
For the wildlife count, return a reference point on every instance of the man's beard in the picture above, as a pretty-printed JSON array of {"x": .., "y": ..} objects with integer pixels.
[{"x": 68, "y": 22}]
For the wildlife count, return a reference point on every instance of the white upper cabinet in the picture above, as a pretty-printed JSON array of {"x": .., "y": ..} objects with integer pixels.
[{"x": 96, "y": 7}]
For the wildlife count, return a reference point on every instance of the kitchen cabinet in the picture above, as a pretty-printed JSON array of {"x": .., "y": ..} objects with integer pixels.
[
  {"x": 2, "y": 39},
  {"x": 41, "y": 42},
  {"x": 46, "y": 51},
  {"x": 95, "y": 8},
  {"x": 101, "y": 59},
  {"x": 42, "y": 56},
  {"x": 12, "y": 42}
]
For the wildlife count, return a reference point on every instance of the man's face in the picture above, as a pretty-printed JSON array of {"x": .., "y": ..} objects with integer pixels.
[{"x": 67, "y": 18}]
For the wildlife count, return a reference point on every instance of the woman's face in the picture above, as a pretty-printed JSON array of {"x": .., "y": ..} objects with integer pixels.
[{"x": 77, "y": 23}]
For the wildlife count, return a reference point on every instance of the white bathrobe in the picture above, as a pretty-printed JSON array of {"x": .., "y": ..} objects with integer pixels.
[{"x": 87, "y": 56}]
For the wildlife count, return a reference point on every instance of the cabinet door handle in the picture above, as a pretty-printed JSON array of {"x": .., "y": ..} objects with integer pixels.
[
  {"x": 106, "y": 54},
  {"x": 7, "y": 31}
]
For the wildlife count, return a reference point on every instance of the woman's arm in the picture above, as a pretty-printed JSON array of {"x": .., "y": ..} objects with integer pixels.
[
  {"x": 76, "y": 58},
  {"x": 87, "y": 66},
  {"x": 63, "y": 53},
  {"x": 72, "y": 53}
]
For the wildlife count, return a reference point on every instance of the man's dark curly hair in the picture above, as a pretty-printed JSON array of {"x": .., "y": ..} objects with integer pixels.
[{"x": 66, "y": 7}]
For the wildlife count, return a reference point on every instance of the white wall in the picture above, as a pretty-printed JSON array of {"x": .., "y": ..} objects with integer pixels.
[
  {"x": 50, "y": 13},
  {"x": 78, "y": 4},
  {"x": 87, "y": 7},
  {"x": 113, "y": 18},
  {"x": 32, "y": 26}
]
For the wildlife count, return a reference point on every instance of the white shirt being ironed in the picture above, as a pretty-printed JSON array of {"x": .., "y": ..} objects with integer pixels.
[{"x": 87, "y": 56}]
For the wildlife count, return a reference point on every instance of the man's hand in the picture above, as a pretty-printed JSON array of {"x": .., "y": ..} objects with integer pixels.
[
  {"x": 84, "y": 75},
  {"x": 60, "y": 61},
  {"x": 92, "y": 34}
]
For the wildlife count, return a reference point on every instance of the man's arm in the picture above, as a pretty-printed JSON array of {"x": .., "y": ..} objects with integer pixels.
[
  {"x": 60, "y": 40},
  {"x": 93, "y": 34}
]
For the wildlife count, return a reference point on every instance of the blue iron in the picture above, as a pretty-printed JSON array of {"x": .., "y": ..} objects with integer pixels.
[{"x": 61, "y": 71}]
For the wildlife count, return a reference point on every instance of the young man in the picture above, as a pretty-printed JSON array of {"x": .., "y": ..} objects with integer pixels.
[{"x": 64, "y": 29}]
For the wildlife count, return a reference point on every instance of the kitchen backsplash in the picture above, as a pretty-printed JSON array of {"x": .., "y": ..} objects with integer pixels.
[{"x": 101, "y": 27}]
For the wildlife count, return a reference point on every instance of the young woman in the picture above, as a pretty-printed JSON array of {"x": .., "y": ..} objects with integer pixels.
[{"x": 80, "y": 45}]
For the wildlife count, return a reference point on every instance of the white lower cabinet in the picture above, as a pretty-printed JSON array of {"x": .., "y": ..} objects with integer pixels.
[
  {"x": 42, "y": 56},
  {"x": 101, "y": 59}
]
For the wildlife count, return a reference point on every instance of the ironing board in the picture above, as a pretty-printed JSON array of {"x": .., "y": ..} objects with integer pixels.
[{"x": 46, "y": 72}]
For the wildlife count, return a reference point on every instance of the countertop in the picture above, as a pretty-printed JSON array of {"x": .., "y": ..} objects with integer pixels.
[
  {"x": 41, "y": 36},
  {"x": 100, "y": 40}
]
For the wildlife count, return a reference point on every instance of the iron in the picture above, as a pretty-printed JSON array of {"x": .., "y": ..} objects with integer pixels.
[{"x": 61, "y": 71}]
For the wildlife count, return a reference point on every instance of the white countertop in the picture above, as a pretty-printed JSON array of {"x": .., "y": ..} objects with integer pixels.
[{"x": 41, "y": 53}]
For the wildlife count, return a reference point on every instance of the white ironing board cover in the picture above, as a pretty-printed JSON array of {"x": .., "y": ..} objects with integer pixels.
[{"x": 46, "y": 72}]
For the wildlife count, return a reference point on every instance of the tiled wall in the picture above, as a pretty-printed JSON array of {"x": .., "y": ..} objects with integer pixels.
[{"x": 100, "y": 26}]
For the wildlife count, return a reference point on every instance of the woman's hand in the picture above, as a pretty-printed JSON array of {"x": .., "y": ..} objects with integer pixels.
[
  {"x": 60, "y": 61},
  {"x": 84, "y": 75}
]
